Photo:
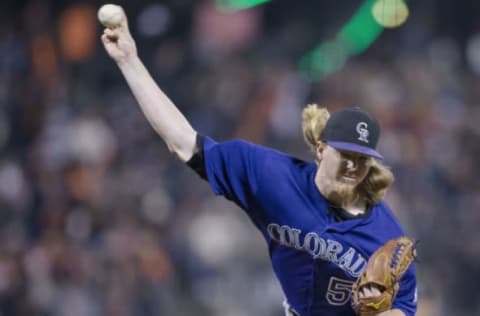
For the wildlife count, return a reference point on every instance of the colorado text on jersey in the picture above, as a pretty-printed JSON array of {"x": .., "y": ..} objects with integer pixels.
[{"x": 319, "y": 248}]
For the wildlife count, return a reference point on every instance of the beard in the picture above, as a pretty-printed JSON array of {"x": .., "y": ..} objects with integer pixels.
[{"x": 343, "y": 192}]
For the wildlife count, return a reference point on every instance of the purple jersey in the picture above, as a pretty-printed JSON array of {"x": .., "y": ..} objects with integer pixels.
[{"x": 315, "y": 257}]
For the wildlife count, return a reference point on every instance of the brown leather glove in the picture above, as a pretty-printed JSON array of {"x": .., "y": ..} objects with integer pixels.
[{"x": 384, "y": 269}]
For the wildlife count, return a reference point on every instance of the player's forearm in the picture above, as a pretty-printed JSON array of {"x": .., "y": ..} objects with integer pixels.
[{"x": 163, "y": 115}]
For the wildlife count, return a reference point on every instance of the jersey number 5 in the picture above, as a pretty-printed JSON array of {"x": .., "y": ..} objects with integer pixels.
[{"x": 339, "y": 291}]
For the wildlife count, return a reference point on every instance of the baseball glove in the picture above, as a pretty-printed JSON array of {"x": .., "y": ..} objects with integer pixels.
[{"x": 384, "y": 270}]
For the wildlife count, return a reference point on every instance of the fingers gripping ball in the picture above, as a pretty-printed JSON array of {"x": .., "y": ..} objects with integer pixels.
[
  {"x": 384, "y": 269},
  {"x": 110, "y": 15}
]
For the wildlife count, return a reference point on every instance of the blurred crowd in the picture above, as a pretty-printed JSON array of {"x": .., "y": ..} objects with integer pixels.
[{"x": 96, "y": 216}]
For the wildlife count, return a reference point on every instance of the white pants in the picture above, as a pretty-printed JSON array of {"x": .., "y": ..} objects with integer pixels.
[{"x": 289, "y": 311}]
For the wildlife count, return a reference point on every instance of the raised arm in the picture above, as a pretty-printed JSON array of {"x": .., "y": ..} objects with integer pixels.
[{"x": 159, "y": 110}]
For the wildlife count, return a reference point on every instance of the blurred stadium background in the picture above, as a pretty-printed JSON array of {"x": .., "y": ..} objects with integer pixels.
[{"x": 96, "y": 218}]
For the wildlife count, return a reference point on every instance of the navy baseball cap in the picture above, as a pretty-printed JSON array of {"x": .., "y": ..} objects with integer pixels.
[{"x": 353, "y": 130}]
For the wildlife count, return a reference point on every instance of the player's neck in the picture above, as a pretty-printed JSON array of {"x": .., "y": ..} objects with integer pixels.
[{"x": 355, "y": 207}]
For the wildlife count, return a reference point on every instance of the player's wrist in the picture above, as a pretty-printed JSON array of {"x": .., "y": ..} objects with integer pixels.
[{"x": 129, "y": 61}]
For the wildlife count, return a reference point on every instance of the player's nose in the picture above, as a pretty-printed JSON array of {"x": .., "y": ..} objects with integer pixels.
[{"x": 351, "y": 165}]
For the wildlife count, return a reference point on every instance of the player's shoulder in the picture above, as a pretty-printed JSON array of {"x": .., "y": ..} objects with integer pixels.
[
  {"x": 240, "y": 144},
  {"x": 267, "y": 161},
  {"x": 279, "y": 160},
  {"x": 387, "y": 217},
  {"x": 270, "y": 154}
]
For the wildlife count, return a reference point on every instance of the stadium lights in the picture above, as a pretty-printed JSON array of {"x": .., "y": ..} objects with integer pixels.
[{"x": 355, "y": 37}]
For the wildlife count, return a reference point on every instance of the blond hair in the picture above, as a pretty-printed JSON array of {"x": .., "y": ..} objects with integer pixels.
[{"x": 379, "y": 177}]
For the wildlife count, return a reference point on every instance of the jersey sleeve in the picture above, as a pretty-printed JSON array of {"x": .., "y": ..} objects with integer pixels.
[
  {"x": 406, "y": 299},
  {"x": 233, "y": 169}
]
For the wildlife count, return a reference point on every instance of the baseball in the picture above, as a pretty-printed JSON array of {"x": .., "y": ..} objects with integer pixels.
[{"x": 110, "y": 15}]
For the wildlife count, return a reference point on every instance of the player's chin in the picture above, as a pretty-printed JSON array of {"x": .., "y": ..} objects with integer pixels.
[{"x": 344, "y": 190}]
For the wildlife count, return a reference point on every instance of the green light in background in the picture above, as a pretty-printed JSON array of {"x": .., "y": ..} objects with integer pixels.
[
  {"x": 362, "y": 29},
  {"x": 354, "y": 38},
  {"x": 357, "y": 35},
  {"x": 235, "y": 5},
  {"x": 326, "y": 59}
]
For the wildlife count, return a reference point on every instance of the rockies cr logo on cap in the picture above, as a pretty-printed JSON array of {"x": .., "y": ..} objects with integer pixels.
[{"x": 362, "y": 132}]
